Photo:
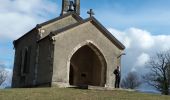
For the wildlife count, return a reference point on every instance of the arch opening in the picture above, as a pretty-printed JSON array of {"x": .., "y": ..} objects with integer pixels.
[{"x": 87, "y": 67}]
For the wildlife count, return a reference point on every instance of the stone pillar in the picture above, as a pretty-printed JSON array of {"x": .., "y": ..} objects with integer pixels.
[
  {"x": 77, "y": 6},
  {"x": 65, "y": 4},
  {"x": 65, "y": 7}
]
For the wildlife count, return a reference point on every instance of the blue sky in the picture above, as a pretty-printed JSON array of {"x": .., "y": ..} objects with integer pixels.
[
  {"x": 141, "y": 25},
  {"x": 151, "y": 15}
]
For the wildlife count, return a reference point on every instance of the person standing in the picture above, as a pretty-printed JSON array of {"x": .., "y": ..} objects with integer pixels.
[{"x": 117, "y": 77}]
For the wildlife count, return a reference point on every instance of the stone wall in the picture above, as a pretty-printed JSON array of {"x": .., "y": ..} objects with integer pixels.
[
  {"x": 45, "y": 61},
  {"x": 28, "y": 41}
]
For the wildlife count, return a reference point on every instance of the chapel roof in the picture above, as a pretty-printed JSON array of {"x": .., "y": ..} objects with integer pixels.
[
  {"x": 80, "y": 21},
  {"x": 74, "y": 15}
]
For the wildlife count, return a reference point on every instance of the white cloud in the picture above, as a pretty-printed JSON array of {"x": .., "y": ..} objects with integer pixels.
[
  {"x": 142, "y": 38},
  {"x": 19, "y": 16},
  {"x": 142, "y": 59},
  {"x": 121, "y": 36},
  {"x": 140, "y": 46}
]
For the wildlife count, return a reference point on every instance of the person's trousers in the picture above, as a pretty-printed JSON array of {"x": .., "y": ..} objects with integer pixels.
[{"x": 117, "y": 82}]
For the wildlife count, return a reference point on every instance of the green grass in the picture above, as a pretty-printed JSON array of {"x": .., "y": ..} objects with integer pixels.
[{"x": 75, "y": 94}]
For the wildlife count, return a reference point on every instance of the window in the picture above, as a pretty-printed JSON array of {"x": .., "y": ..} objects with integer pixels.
[{"x": 25, "y": 61}]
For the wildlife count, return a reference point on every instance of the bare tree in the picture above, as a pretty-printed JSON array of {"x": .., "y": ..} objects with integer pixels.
[
  {"x": 131, "y": 81},
  {"x": 3, "y": 75},
  {"x": 159, "y": 75}
]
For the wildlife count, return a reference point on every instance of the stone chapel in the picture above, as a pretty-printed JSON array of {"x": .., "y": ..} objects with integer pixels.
[{"x": 67, "y": 51}]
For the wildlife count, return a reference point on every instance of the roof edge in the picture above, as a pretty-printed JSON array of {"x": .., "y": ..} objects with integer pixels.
[
  {"x": 35, "y": 28},
  {"x": 76, "y": 16},
  {"x": 109, "y": 35}
]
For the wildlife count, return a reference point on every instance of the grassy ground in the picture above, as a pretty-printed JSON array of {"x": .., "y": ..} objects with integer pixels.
[{"x": 75, "y": 94}]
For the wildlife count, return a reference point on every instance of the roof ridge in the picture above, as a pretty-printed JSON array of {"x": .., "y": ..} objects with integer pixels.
[
  {"x": 71, "y": 26},
  {"x": 76, "y": 16},
  {"x": 108, "y": 33}
]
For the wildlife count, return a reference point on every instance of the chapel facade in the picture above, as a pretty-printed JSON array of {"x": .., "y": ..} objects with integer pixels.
[{"x": 67, "y": 51}]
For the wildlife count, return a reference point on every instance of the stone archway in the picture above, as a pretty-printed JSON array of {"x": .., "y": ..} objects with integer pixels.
[{"x": 87, "y": 67}]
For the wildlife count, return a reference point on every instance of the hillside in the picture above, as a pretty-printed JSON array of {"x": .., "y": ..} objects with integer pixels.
[{"x": 75, "y": 94}]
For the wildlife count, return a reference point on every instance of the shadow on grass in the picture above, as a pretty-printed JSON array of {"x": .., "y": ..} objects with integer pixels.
[{"x": 83, "y": 87}]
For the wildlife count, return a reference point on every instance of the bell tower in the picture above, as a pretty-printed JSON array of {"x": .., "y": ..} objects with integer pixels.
[
  {"x": 70, "y": 6},
  {"x": 65, "y": 4},
  {"x": 77, "y": 6}
]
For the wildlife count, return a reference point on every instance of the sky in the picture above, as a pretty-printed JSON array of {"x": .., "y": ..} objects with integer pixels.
[{"x": 141, "y": 25}]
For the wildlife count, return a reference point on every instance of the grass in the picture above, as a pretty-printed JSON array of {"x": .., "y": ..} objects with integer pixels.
[{"x": 75, "y": 94}]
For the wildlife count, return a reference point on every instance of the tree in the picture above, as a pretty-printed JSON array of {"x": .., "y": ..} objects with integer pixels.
[
  {"x": 159, "y": 74},
  {"x": 3, "y": 75},
  {"x": 131, "y": 81}
]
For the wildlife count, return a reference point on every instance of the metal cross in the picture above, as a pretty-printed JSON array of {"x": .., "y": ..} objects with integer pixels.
[{"x": 91, "y": 13}]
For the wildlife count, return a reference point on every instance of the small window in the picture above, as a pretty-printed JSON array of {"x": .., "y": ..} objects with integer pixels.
[{"x": 25, "y": 60}]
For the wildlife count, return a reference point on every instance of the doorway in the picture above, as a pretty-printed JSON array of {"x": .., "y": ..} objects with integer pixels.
[{"x": 87, "y": 67}]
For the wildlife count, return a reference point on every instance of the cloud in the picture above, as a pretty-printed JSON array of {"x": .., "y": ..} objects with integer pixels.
[
  {"x": 143, "y": 38},
  {"x": 142, "y": 59},
  {"x": 140, "y": 46},
  {"x": 19, "y": 16}
]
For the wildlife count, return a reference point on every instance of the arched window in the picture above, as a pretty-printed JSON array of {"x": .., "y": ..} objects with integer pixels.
[{"x": 25, "y": 61}]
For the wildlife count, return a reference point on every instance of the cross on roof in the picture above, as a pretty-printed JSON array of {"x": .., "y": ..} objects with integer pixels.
[{"x": 91, "y": 13}]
